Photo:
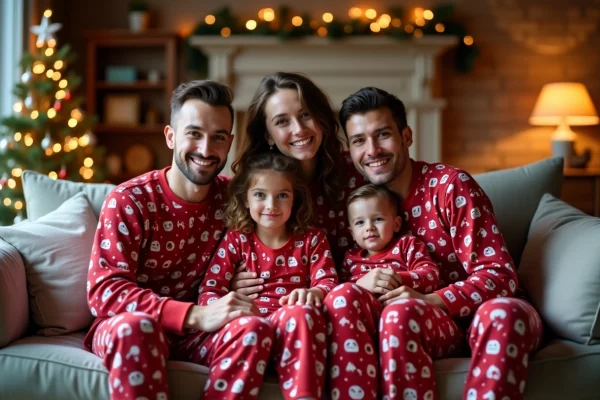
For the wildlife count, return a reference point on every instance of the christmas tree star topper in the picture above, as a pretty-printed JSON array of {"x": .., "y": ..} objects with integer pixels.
[{"x": 46, "y": 30}]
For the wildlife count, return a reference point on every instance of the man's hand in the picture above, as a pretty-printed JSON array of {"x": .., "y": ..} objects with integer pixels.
[
  {"x": 380, "y": 280},
  {"x": 246, "y": 283},
  {"x": 313, "y": 297},
  {"x": 214, "y": 316},
  {"x": 404, "y": 292}
]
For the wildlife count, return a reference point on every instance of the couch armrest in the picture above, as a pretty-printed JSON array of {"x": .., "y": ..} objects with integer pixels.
[{"x": 14, "y": 302}]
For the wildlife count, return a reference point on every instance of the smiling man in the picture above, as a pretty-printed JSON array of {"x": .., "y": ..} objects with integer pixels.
[
  {"x": 155, "y": 238},
  {"x": 445, "y": 208}
]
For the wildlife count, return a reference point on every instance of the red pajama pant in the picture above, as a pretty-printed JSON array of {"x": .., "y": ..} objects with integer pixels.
[
  {"x": 299, "y": 351},
  {"x": 135, "y": 348},
  {"x": 412, "y": 333}
]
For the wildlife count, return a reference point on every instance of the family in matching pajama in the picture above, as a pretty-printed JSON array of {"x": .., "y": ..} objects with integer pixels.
[{"x": 187, "y": 265}]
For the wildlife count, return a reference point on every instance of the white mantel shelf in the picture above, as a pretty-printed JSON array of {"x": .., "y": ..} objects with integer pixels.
[{"x": 406, "y": 68}]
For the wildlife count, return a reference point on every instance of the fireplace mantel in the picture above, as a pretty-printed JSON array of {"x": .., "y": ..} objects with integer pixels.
[{"x": 406, "y": 68}]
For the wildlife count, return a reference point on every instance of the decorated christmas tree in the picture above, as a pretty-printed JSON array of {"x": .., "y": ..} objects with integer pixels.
[{"x": 48, "y": 132}]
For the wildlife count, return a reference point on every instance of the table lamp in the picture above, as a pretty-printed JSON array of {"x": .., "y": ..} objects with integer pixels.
[{"x": 564, "y": 104}]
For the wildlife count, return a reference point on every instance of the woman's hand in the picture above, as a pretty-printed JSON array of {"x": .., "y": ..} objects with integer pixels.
[
  {"x": 313, "y": 297},
  {"x": 246, "y": 283}
]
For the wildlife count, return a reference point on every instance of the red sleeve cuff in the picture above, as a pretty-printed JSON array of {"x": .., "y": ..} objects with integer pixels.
[
  {"x": 407, "y": 279},
  {"x": 173, "y": 315},
  {"x": 452, "y": 306}
]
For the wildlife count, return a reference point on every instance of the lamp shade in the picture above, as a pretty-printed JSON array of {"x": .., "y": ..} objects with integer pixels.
[{"x": 565, "y": 102}]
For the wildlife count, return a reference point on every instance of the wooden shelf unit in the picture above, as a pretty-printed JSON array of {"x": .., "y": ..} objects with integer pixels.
[
  {"x": 148, "y": 50},
  {"x": 581, "y": 189}
]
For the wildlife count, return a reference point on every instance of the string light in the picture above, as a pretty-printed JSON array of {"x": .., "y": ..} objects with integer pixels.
[
  {"x": 84, "y": 140},
  {"x": 322, "y": 31},
  {"x": 58, "y": 64},
  {"x": 72, "y": 122},
  {"x": 34, "y": 114},
  {"x": 49, "y": 73},
  {"x": 420, "y": 21},
  {"x": 225, "y": 32},
  {"x": 419, "y": 12},
  {"x": 49, "y": 51},
  {"x": 327, "y": 17},
  {"x": 7, "y": 201},
  {"x": 370, "y": 13},
  {"x": 51, "y": 113},
  {"x": 428, "y": 15},
  {"x": 75, "y": 113},
  {"x": 38, "y": 67},
  {"x": 60, "y": 95},
  {"x": 384, "y": 21},
  {"x": 374, "y": 26},
  {"x": 88, "y": 162},
  {"x": 28, "y": 140},
  {"x": 39, "y": 45},
  {"x": 63, "y": 84},
  {"x": 48, "y": 13},
  {"x": 18, "y": 205},
  {"x": 418, "y": 33},
  {"x": 53, "y": 175},
  {"x": 297, "y": 21},
  {"x": 210, "y": 19},
  {"x": 440, "y": 27},
  {"x": 468, "y": 40},
  {"x": 18, "y": 107},
  {"x": 56, "y": 76},
  {"x": 18, "y": 136},
  {"x": 57, "y": 147},
  {"x": 12, "y": 183},
  {"x": 409, "y": 28},
  {"x": 16, "y": 172},
  {"x": 396, "y": 23},
  {"x": 73, "y": 144},
  {"x": 52, "y": 43},
  {"x": 269, "y": 14},
  {"x": 88, "y": 173},
  {"x": 251, "y": 25},
  {"x": 355, "y": 13}
]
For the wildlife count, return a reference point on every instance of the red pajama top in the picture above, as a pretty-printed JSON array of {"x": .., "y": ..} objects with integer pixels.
[
  {"x": 305, "y": 261},
  {"x": 332, "y": 216},
  {"x": 406, "y": 255},
  {"x": 151, "y": 250},
  {"x": 452, "y": 215}
]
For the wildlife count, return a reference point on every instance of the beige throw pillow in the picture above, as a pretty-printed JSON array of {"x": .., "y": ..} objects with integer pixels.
[{"x": 56, "y": 251}]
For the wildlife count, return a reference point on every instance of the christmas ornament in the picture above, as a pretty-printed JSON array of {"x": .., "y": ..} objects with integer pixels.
[
  {"x": 57, "y": 105},
  {"x": 46, "y": 30},
  {"x": 27, "y": 76},
  {"x": 28, "y": 102},
  {"x": 4, "y": 179},
  {"x": 47, "y": 141},
  {"x": 10, "y": 163},
  {"x": 62, "y": 174},
  {"x": 3, "y": 145},
  {"x": 67, "y": 95}
]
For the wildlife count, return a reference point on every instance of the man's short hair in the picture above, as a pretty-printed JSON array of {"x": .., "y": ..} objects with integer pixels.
[
  {"x": 374, "y": 191},
  {"x": 210, "y": 92},
  {"x": 372, "y": 98}
]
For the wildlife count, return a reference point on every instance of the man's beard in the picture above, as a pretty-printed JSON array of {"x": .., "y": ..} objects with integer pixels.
[
  {"x": 388, "y": 177},
  {"x": 195, "y": 177}
]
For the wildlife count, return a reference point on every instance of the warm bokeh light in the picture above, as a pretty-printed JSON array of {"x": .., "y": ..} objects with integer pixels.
[
  {"x": 63, "y": 84},
  {"x": 17, "y": 136},
  {"x": 51, "y": 113},
  {"x": 18, "y": 107},
  {"x": 88, "y": 173},
  {"x": 297, "y": 21},
  {"x": 39, "y": 45},
  {"x": 440, "y": 28},
  {"x": 28, "y": 140},
  {"x": 418, "y": 33},
  {"x": 374, "y": 27},
  {"x": 75, "y": 113},
  {"x": 12, "y": 183},
  {"x": 56, "y": 76},
  {"x": 49, "y": 51},
  {"x": 58, "y": 64},
  {"x": 370, "y": 13},
  {"x": 84, "y": 140},
  {"x": 57, "y": 147},
  {"x": 322, "y": 31},
  {"x": 328, "y": 17},
  {"x": 49, "y": 73},
  {"x": 384, "y": 21},
  {"x": 72, "y": 122},
  {"x": 34, "y": 114},
  {"x": 18, "y": 205},
  {"x": 73, "y": 143},
  {"x": 49, "y": 152},
  {"x": 210, "y": 19},
  {"x": 269, "y": 14},
  {"x": 314, "y": 24},
  {"x": 38, "y": 67},
  {"x": 355, "y": 12},
  {"x": 48, "y": 13},
  {"x": 409, "y": 28},
  {"x": 251, "y": 25},
  {"x": 420, "y": 21},
  {"x": 88, "y": 162},
  {"x": 225, "y": 32},
  {"x": 7, "y": 201},
  {"x": 468, "y": 40},
  {"x": 419, "y": 12},
  {"x": 428, "y": 15},
  {"x": 52, "y": 43},
  {"x": 16, "y": 172},
  {"x": 60, "y": 95},
  {"x": 53, "y": 175},
  {"x": 396, "y": 23}
]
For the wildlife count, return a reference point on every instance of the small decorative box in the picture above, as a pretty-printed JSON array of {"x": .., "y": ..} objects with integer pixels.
[{"x": 120, "y": 74}]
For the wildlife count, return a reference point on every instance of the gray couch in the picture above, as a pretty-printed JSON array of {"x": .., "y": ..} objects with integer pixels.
[{"x": 33, "y": 366}]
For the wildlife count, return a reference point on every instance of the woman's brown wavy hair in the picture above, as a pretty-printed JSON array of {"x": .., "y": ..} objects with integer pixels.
[
  {"x": 237, "y": 215},
  {"x": 329, "y": 155}
]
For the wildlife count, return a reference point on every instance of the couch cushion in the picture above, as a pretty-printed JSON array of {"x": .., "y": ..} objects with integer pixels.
[
  {"x": 560, "y": 270},
  {"x": 56, "y": 252},
  {"x": 60, "y": 367},
  {"x": 515, "y": 194},
  {"x": 43, "y": 194},
  {"x": 14, "y": 308}
]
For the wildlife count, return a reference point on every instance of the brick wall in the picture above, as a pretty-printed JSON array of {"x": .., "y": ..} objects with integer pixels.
[{"x": 523, "y": 43}]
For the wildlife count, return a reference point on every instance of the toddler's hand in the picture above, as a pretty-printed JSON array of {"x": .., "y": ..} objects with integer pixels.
[{"x": 312, "y": 297}]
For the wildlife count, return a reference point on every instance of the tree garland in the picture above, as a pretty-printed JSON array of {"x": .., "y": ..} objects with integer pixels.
[{"x": 288, "y": 26}]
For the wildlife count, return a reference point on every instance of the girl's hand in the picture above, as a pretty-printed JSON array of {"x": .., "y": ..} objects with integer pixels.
[
  {"x": 246, "y": 283},
  {"x": 313, "y": 297}
]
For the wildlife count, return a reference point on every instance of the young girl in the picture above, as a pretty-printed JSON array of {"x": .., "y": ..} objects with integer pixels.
[{"x": 267, "y": 216}]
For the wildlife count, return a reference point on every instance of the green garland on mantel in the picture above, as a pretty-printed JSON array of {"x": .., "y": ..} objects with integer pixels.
[{"x": 281, "y": 26}]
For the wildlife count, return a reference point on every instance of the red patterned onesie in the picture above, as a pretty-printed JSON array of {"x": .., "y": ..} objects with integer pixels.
[
  {"x": 305, "y": 261},
  {"x": 150, "y": 253},
  {"x": 451, "y": 214}
]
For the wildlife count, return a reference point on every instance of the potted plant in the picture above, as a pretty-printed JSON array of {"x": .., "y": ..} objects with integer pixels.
[{"x": 139, "y": 17}]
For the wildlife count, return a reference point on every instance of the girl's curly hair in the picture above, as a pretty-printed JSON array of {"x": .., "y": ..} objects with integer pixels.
[
  {"x": 329, "y": 155},
  {"x": 237, "y": 215}
]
